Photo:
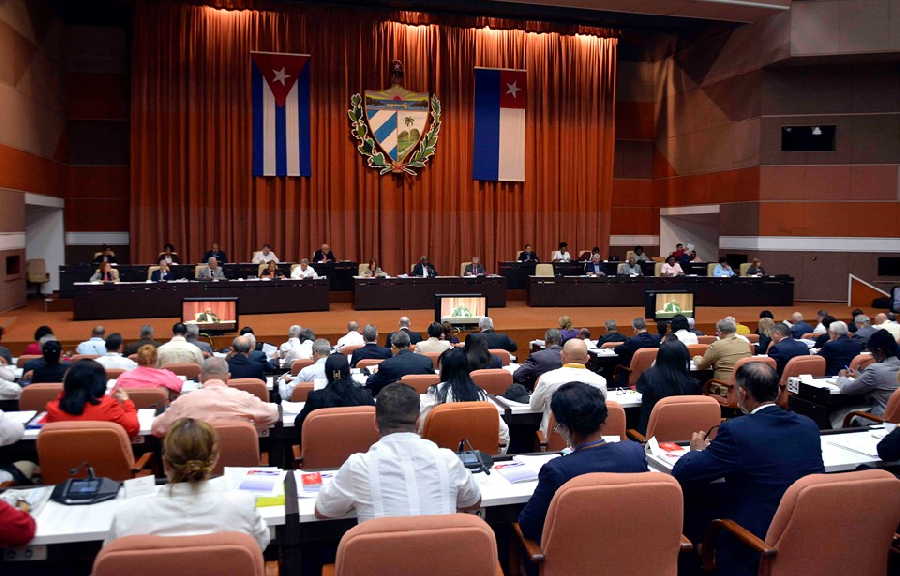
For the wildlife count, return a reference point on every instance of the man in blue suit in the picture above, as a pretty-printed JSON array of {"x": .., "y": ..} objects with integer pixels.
[
  {"x": 840, "y": 350},
  {"x": 580, "y": 412},
  {"x": 404, "y": 362},
  {"x": 784, "y": 347},
  {"x": 799, "y": 327},
  {"x": 641, "y": 339},
  {"x": 370, "y": 349},
  {"x": 759, "y": 455},
  {"x": 240, "y": 365}
]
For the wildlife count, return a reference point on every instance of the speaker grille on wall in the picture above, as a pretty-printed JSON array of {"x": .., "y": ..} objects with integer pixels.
[{"x": 808, "y": 138}]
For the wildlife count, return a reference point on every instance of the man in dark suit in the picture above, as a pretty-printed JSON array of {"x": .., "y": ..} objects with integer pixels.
[
  {"x": 239, "y": 363},
  {"x": 424, "y": 268},
  {"x": 798, "y": 326},
  {"x": 404, "y": 362},
  {"x": 474, "y": 268},
  {"x": 759, "y": 455},
  {"x": 495, "y": 339},
  {"x": 146, "y": 339},
  {"x": 528, "y": 254},
  {"x": 784, "y": 347},
  {"x": 612, "y": 333},
  {"x": 215, "y": 252},
  {"x": 323, "y": 254},
  {"x": 594, "y": 267},
  {"x": 414, "y": 337},
  {"x": 540, "y": 361},
  {"x": 370, "y": 349},
  {"x": 162, "y": 274},
  {"x": 256, "y": 353},
  {"x": 641, "y": 339},
  {"x": 840, "y": 350}
]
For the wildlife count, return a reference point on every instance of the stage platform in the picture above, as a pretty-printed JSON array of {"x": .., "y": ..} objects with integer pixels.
[{"x": 518, "y": 320}]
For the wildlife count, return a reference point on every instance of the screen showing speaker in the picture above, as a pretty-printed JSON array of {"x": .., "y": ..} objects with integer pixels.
[{"x": 211, "y": 314}]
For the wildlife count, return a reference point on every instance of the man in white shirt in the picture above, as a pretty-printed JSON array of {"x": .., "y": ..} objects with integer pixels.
[
  {"x": 574, "y": 358},
  {"x": 303, "y": 270},
  {"x": 401, "y": 474},
  {"x": 315, "y": 372},
  {"x": 883, "y": 323},
  {"x": 178, "y": 349},
  {"x": 113, "y": 358},
  {"x": 351, "y": 338},
  {"x": 820, "y": 327},
  {"x": 96, "y": 344},
  {"x": 433, "y": 343},
  {"x": 265, "y": 255},
  {"x": 294, "y": 348}
]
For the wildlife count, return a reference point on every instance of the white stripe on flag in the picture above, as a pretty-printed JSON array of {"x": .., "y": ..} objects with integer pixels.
[
  {"x": 511, "y": 163},
  {"x": 268, "y": 131},
  {"x": 292, "y": 130},
  {"x": 379, "y": 118}
]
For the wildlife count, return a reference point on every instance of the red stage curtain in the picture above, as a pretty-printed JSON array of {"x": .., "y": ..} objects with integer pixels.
[{"x": 191, "y": 139}]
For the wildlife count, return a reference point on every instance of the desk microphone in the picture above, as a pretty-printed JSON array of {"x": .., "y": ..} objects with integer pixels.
[{"x": 83, "y": 466}]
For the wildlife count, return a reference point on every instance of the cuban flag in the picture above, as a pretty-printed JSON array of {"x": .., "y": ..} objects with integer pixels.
[
  {"x": 280, "y": 84},
  {"x": 498, "y": 153}
]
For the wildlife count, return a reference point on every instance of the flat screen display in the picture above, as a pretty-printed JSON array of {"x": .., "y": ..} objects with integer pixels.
[
  {"x": 211, "y": 314},
  {"x": 895, "y": 300},
  {"x": 667, "y": 305},
  {"x": 460, "y": 308}
]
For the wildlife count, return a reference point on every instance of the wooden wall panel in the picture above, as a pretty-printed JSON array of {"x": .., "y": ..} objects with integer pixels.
[
  {"x": 636, "y": 120},
  {"x": 30, "y": 173},
  {"x": 634, "y": 220},
  {"x": 835, "y": 219}
]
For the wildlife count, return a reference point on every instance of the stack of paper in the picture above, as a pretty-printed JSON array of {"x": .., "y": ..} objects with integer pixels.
[
  {"x": 310, "y": 483},
  {"x": 36, "y": 497},
  {"x": 523, "y": 468}
]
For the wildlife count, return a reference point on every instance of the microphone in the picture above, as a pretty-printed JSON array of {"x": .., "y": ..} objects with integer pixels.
[{"x": 83, "y": 466}]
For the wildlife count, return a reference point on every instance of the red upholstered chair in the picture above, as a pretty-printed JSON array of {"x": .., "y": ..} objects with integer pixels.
[
  {"x": 676, "y": 418},
  {"x": 114, "y": 373},
  {"x": 36, "y": 396},
  {"x": 723, "y": 390},
  {"x": 435, "y": 358},
  {"x": 349, "y": 350},
  {"x": 643, "y": 358},
  {"x": 646, "y": 507},
  {"x": 706, "y": 339},
  {"x": 611, "y": 344},
  {"x": 697, "y": 350},
  {"x": 492, "y": 380},
  {"x": 301, "y": 391},
  {"x": 802, "y": 538},
  {"x": 77, "y": 357},
  {"x": 331, "y": 435},
  {"x": 503, "y": 354},
  {"x": 808, "y": 336},
  {"x": 614, "y": 426},
  {"x": 421, "y": 382},
  {"x": 62, "y": 446},
  {"x": 861, "y": 361},
  {"x": 148, "y": 397},
  {"x": 447, "y": 424},
  {"x": 796, "y": 366},
  {"x": 298, "y": 365},
  {"x": 189, "y": 370},
  {"x": 438, "y": 545},
  {"x": 752, "y": 337},
  {"x": 25, "y": 358},
  {"x": 254, "y": 386},
  {"x": 232, "y": 553},
  {"x": 238, "y": 444},
  {"x": 891, "y": 412},
  {"x": 366, "y": 362}
]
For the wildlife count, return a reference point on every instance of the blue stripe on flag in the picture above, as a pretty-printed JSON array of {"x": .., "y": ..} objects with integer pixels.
[
  {"x": 305, "y": 160},
  {"x": 385, "y": 130},
  {"x": 486, "y": 147},
  {"x": 280, "y": 142},
  {"x": 257, "y": 122}
]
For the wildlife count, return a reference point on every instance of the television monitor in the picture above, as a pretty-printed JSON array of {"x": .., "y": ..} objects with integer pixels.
[
  {"x": 666, "y": 304},
  {"x": 460, "y": 309},
  {"x": 211, "y": 314},
  {"x": 895, "y": 300}
]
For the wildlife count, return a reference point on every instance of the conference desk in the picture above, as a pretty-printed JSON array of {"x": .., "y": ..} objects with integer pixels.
[
  {"x": 163, "y": 299},
  {"x": 629, "y": 291},
  {"x": 517, "y": 273},
  {"x": 416, "y": 293},
  {"x": 340, "y": 274}
]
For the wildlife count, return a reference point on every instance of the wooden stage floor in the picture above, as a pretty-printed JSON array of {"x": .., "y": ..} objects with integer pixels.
[{"x": 517, "y": 319}]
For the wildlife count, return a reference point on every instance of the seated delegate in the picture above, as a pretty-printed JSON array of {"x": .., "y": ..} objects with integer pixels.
[
  {"x": 303, "y": 270},
  {"x": 264, "y": 256},
  {"x": 84, "y": 399},
  {"x": 424, "y": 268},
  {"x": 169, "y": 255},
  {"x": 190, "y": 503},
  {"x": 723, "y": 269},
  {"x": 528, "y": 254},
  {"x": 338, "y": 393},
  {"x": 669, "y": 376},
  {"x": 212, "y": 271},
  {"x": 215, "y": 252},
  {"x": 671, "y": 267},
  {"x": 47, "y": 368},
  {"x": 561, "y": 254},
  {"x": 148, "y": 374},
  {"x": 324, "y": 255},
  {"x": 105, "y": 273}
]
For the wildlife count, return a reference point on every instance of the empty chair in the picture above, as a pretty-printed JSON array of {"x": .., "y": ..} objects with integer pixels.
[
  {"x": 502, "y": 354},
  {"x": 298, "y": 365},
  {"x": 189, "y": 370},
  {"x": 62, "y": 446},
  {"x": 676, "y": 418},
  {"x": 798, "y": 365},
  {"x": 421, "y": 382},
  {"x": 861, "y": 361},
  {"x": 148, "y": 397},
  {"x": 802, "y": 538},
  {"x": 723, "y": 390},
  {"x": 301, "y": 391},
  {"x": 36, "y": 396},
  {"x": 238, "y": 444},
  {"x": 706, "y": 340},
  {"x": 254, "y": 386},
  {"x": 645, "y": 507},
  {"x": 544, "y": 269},
  {"x": 614, "y": 426},
  {"x": 232, "y": 553},
  {"x": 330, "y": 435},
  {"x": 477, "y": 422},
  {"x": 642, "y": 359},
  {"x": 36, "y": 273},
  {"x": 437, "y": 545},
  {"x": 492, "y": 380}
]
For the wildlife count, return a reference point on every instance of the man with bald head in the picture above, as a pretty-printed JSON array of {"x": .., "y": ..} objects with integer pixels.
[
  {"x": 414, "y": 337},
  {"x": 216, "y": 401},
  {"x": 239, "y": 363},
  {"x": 574, "y": 358}
]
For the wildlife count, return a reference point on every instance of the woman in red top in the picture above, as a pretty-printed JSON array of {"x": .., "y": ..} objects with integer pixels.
[
  {"x": 34, "y": 349},
  {"x": 16, "y": 524},
  {"x": 84, "y": 399}
]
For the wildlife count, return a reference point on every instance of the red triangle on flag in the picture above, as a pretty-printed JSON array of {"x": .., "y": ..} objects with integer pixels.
[{"x": 280, "y": 71}]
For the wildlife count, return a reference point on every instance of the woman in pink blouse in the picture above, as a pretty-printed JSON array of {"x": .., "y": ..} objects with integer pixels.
[
  {"x": 671, "y": 267},
  {"x": 147, "y": 375}
]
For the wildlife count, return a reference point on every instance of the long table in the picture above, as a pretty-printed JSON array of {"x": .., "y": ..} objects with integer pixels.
[
  {"x": 415, "y": 293},
  {"x": 629, "y": 291},
  {"x": 163, "y": 299},
  {"x": 517, "y": 273},
  {"x": 340, "y": 274}
]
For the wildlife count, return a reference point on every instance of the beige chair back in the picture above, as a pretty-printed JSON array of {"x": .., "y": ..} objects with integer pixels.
[
  {"x": 462, "y": 268},
  {"x": 544, "y": 269}
]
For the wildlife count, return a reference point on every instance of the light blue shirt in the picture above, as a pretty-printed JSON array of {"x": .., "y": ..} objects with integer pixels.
[
  {"x": 720, "y": 272},
  {"x": 93, "y": 346}
]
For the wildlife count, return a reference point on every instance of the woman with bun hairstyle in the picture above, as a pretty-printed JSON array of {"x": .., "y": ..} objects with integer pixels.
[{"x": 190, "y": 503}]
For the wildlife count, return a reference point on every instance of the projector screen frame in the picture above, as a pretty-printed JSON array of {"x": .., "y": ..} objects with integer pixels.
[
  {"x": 474, "y": 320},
  {"x": 203, "y": 329},
  {"x": 650, "y": 303}
]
